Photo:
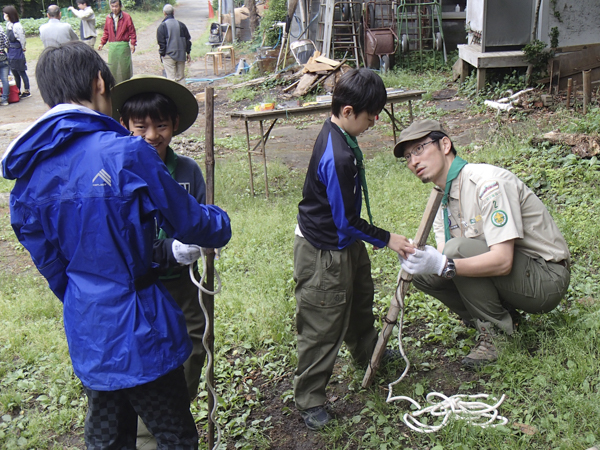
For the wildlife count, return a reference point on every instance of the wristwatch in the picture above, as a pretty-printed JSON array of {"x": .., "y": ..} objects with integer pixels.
[{"x": 450, "y": 270}]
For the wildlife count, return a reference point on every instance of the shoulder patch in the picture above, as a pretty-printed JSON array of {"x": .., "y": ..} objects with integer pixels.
[
  {"x": 499, "y": 218},
  {"x": 487, "y": 189}
]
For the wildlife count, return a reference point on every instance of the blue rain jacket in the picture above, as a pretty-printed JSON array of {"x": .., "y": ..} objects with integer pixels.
[{"x": 86, "y": 204}]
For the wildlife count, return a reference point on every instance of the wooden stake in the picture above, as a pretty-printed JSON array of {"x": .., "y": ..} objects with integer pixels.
[
  {"x": 569, "y": 90},
  {"x": 209, "y": 278},
  {"x": 587, "y": 89},
  {"x": 420, "y": 239}
]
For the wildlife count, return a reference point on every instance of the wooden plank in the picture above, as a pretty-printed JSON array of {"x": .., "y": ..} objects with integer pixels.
[
  {"x": 316, "y": 67},
  {"x": 490, "y": 60},
  {"x": 480, "y": 79},
  {"x": 324, "y": 60},
  {"x": 307, "y": 82}
]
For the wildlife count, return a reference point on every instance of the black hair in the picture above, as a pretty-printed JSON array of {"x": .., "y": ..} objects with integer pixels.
[
  {"x": 82, "y": 2},
  {"x": 438, "y": 136},
  {"x": 112, "y": 2},
  {"x": 58, "y": 85},
  {"x": 11, "y": 12},
  {"x": 157, "y": 106},
  {"x": 362, "y": 89}
]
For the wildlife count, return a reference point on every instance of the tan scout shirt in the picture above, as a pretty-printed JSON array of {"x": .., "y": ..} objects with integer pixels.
[{"x": 491, "y": 204}]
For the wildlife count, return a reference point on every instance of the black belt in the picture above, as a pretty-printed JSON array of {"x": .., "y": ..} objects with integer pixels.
[
  {"x": 565, "y": 263},
  {"x": 146, "y": 280},
  {"x": 88, "y": 38}
]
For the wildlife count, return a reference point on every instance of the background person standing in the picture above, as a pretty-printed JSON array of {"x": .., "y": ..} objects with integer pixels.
[
  {"x": 87, "y": 26},
  {"x": 119, "y": 32},
  {"x": 16, "y": 49},
  {"x": 55, "y": 32},
  {"x": 174, "y": 45},
  {"x": 4, "y": 68}
]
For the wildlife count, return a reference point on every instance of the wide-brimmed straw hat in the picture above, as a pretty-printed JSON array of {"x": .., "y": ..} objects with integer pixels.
[{"x": 187, "y": 106}]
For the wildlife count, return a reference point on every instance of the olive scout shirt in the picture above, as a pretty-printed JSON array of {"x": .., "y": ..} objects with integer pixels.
[{"x": 493, "y": 205}]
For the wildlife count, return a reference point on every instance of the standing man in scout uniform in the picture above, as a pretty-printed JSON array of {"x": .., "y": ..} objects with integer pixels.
[
  {"x": 498, "y": 248},
  {"x": 119, "y": 32}
]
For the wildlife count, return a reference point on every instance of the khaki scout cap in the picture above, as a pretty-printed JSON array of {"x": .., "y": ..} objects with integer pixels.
[{"x": 416, "y": 130}]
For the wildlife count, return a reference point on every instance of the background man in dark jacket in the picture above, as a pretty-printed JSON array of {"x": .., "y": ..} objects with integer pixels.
[{"x": 174, "y": 45}]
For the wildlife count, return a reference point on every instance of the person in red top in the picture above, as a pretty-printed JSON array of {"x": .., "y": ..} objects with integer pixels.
[{"x": 120, "y": 33}]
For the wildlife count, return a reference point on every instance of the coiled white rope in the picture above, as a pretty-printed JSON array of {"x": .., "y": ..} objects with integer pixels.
[
  {"x": 456, "y": 406},
  {"x": 209, "y": 356}
]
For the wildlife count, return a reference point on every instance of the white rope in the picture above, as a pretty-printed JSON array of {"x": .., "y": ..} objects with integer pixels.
[
  {"x": 473, "y": 412},
  {"x": 209, "y": 356}
]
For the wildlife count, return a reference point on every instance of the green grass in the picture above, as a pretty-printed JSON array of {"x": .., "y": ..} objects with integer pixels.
[{"x": 549, "y": 371}]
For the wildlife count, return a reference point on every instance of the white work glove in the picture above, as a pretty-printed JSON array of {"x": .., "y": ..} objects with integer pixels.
[
  {"x": 185, "y": 253},
  {"x": 424, "y": 262}
]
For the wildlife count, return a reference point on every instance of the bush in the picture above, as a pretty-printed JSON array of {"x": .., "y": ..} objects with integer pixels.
[{"x": 277, "y": 12}]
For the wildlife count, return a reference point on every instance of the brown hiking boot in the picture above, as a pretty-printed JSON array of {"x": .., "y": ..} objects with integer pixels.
[{"x": 485, "y": 351}]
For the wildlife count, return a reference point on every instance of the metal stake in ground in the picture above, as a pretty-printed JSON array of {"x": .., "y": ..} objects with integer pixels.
[
  {"x": 403, "y": 284},
  {"x": 209, "y": 279}
]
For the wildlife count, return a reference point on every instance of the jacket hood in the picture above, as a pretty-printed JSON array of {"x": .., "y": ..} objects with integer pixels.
[{"x": 50, "y": 133}]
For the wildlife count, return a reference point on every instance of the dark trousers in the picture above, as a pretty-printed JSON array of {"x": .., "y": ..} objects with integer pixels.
[
  {"x": 18, "y": 74},
  {"x": 163, "y": 405}
]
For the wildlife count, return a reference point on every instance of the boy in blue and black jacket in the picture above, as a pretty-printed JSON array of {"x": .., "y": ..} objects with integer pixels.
[{"x": 332, "y": 270}]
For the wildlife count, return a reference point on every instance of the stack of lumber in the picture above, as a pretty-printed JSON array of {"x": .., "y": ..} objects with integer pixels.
[{"x": 318, "y": 70}]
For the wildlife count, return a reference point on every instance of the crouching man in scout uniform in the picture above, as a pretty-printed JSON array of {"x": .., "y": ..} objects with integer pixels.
[{"x": 498, "y": 248}]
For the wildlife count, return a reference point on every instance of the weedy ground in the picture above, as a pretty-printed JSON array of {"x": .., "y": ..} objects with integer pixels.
[{"x": 549, "y": 371}]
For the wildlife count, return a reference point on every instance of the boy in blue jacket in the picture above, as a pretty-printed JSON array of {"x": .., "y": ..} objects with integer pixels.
[
  {"x": 332, "y": 270},
  {"x": 86, "y": 203},
  {"x": 156, "y": 109}
]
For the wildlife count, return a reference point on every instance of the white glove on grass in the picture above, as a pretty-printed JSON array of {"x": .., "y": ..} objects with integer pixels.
[
  {"x": 185, "y": 253},
  {"x": 424, "y": 262}
]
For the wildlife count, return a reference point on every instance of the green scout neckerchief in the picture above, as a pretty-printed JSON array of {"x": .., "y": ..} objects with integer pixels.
[
  {"x": 353, "y": 143},
  {"x": 455, "y": 169}
]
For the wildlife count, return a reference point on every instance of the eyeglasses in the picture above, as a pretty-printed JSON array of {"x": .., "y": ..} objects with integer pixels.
[{"x": 418, "y": 149}]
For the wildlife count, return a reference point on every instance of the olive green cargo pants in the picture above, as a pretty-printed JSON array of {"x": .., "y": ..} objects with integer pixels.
[
  {"x": 533, "y": 285},
  {"x": 334, "y": 304}
]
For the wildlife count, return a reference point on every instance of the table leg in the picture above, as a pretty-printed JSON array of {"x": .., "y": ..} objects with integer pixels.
[
  {"x": 410, "y": 111},
  {"x": 264, "y": 154},
  {"x": 393, "y": 122},
  {"x": 250, "y": 160}
]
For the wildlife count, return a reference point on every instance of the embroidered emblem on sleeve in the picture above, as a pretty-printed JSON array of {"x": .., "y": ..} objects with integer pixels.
[
  {"x": 499, "y": 218},
  {"x": 488, "y": 191}
]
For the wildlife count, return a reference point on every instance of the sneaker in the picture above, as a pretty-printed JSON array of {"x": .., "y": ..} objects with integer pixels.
[
  {"x": 25, "y": 94},
  {"x": 485, "y": 351},
  {"x": 4, "y": 103},
  {"x": 315, "y": 418}
]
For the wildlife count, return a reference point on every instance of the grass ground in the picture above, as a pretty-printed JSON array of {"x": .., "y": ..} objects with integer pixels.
[{"x": 549, "y": 370}]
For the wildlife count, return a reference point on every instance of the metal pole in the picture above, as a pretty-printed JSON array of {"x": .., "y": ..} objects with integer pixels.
[
  {"x": 250, "y": 160},
  {"x": 209, "y": 279},
  {"x": 587, "y": 89},
  {"x": 264, "y": 154}
]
